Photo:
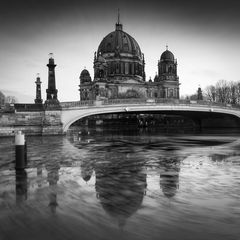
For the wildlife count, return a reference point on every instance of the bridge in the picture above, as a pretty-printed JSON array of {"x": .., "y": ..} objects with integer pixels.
[
  {"x": 73, "y": 111},
  {"x": 41, "y": 119}
]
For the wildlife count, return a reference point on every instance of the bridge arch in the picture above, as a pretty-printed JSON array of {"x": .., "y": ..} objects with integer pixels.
[
  {"x": 70, "y": 115},
  {"x": 73, "y": 116}
]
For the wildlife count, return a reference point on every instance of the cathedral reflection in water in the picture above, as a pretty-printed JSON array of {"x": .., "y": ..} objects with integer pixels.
[{"x": 120, "y": 179}]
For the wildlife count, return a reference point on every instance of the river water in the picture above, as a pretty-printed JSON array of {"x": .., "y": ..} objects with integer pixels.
[{"x": 97, "y": 184}]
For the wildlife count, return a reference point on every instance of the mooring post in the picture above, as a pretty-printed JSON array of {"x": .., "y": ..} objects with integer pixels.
[{"x": 20, "y": 151}]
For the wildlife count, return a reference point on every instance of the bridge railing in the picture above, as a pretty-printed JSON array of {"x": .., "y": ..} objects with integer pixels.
[
  {"x": 77, "y": 104},
  {"x": 143, "y": 101},
  {"x": 163, "y": 101},
  {"x": 124, "y": 101}
]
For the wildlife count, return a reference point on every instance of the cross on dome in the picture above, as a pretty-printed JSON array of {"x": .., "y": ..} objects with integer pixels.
[
  {"x": 118, "y": 16},
  {"x": 118, "y": 24}
]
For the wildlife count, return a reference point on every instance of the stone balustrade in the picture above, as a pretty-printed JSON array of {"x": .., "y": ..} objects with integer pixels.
[
  {"x": 155, "y": 101},
  {"x": 77, "y": 104}
]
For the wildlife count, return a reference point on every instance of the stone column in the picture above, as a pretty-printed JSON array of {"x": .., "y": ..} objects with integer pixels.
[{"x": 38, "y": 99}]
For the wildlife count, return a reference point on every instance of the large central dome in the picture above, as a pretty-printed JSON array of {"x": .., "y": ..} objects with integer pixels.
[
  {"x": 120, "y": 42},
  {"x": 119, "y": 58}
]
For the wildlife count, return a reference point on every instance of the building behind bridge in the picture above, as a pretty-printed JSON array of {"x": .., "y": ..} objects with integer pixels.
[{"x": 119, "y": 71}]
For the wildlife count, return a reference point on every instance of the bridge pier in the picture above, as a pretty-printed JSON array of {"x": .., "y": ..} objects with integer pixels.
[{"x": 52, "y": 123}]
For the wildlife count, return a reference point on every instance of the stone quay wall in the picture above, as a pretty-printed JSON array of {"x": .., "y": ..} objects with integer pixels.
[{"x": 31, "y": 123}]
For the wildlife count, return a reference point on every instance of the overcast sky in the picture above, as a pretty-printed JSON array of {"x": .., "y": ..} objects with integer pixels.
[{"x": 203, "y": 35}]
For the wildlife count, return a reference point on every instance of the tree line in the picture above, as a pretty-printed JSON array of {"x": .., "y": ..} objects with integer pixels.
[
  {"x": 4, "y": 100},
  {"x": 223, "y": 91}
]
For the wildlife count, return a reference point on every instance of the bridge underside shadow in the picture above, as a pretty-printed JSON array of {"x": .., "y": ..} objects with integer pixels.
[
  {"x": 201, "y": 121},
  {"x": 208, "y": 119}
]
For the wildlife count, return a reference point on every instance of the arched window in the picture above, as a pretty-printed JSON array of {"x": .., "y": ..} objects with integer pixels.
[
  {"x": 126, "y": 68},
  {"x": 111, "y": 68},
  {"x": 131, "y": 68},
  {"x": 170, "y": 69},
  {"x": 122, "y": 68},
  {"x": 117, "y": 68},
  {"x": 101, "y": 73},
  {"x": 140, "y": 70},
  {"x": 135, "y": 68},
  {"x": 175, "y": 93},
  {"x": 114, "y": 67}
]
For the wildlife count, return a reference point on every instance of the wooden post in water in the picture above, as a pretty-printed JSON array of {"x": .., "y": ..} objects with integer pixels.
[{"x": 20, "y": 151}]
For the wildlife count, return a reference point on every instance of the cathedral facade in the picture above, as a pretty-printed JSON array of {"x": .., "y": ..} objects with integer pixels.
[{"x": 119, "y": 71}]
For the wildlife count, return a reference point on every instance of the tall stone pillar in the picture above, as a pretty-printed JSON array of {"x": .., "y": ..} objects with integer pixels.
[
  {"x": 52, "y": 124},
  {"x": 199, "y": 94},
  {"x": 52, "y": 99},
  {"x": 38, "y": 99}
]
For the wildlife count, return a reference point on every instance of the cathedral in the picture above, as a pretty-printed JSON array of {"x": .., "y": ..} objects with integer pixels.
[{"x": 119, "y": 71}]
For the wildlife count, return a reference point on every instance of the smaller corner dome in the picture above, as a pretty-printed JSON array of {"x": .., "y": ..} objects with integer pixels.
[
  {"x": 84, "y": 73},
  {"x": 85, "y": 76},
  {"x": 167, "y": 56}
]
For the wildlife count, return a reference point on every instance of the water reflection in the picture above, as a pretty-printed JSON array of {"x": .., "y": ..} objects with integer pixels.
[
  {"x": 52, "y": 178},
  {"x": 39, "y": 175},
  {"x": 120, "y": 189},
  {"x": 169, "y": 176},
  {"x": 120, "y": 167},
  {"x": 21, "y": 186},
  {"x": 129, "y": 181},
  {"x": 120, "y": 178},
  {"x": 86, "y": 170}
]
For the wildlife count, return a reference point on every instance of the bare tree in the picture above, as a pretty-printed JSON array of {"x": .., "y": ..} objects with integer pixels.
[
  {"x": 227, "y": 92},
  {"x": 233, "y": 92},
  {"x": 237, "y": 91},
  {"x": 222, "y": 91},
  {"x": 210, "y": 93},
  {"x": 10, "y": 99}
]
